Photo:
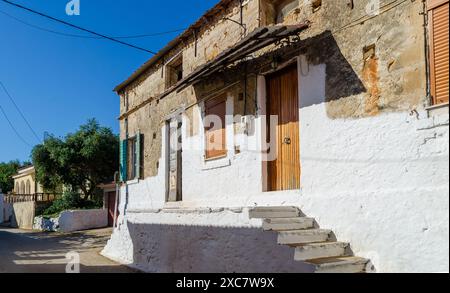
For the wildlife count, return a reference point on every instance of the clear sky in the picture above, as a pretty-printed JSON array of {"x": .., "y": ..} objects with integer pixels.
[{"x": 60, "y": 82}]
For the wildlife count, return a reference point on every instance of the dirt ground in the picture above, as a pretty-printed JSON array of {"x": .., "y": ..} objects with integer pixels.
[{"x": 35, "y": 252}]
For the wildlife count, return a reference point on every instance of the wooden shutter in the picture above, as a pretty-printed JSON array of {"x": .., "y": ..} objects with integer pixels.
[
  {"x": 216, "y": 136},
  {"x": 123, "y": 160},
  {"x": 438, "y": 11}
]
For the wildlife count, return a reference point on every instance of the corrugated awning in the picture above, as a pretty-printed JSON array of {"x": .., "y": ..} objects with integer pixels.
[{"x": 257, "y": 40}]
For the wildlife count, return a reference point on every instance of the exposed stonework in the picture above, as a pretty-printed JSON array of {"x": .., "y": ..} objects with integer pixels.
[{"x": 393, "y": 81}]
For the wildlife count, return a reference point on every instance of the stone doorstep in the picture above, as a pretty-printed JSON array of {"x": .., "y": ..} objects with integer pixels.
[
  {"x": 286, "y": 224},
  {"x": 274, "y": 212},
  {"x": 340, "y": 264},
  {"x": 321, "y": 250},
  {"x": 303, "y": 236}
]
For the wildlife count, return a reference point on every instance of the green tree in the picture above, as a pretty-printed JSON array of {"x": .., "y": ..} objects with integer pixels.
[
  {"x": 7, "y": 170},
  {"x": 81, "y": 161}
]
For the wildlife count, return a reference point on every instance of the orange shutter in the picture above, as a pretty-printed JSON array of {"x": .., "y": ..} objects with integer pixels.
[
  {"x": 215, "y": 134},
  {"x": 438, "y": 11}
]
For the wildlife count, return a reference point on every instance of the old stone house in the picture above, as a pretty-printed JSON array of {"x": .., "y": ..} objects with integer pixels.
[{"x": 332, "y": 110}]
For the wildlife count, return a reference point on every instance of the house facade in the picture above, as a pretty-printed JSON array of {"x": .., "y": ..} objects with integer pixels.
[
  {"x": 265, "y": 108},
  {"x": 25, "y": 182}
]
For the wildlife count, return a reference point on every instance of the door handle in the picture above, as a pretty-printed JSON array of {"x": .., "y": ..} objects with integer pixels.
[{"x": 287, "y": 140}]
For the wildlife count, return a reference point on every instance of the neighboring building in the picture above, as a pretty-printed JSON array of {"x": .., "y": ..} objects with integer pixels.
[
  {"x": 25, "y": 182},
  {"x": 360, "y": 143}
]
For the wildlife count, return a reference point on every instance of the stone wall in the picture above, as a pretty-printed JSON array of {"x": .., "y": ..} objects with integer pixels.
[
  {"x": 374, "y": 162},
  {"x": 380, "y": 68}
]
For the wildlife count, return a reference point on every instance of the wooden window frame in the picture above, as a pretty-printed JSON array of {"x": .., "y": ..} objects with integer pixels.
[
  {"x": 131, "y": 158},
  {"x": 174, "y": 65},
  {"x": 431, "y": 5},
  {"x": 209, "y": 104},
  {"x": 134, "y": 163}
]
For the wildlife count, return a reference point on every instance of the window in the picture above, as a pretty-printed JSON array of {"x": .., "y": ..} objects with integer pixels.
[
  {"x": 131, "y": 158},
  {"x": 174, "y": 71},
  {"x": 28, "y": 187},
  {"x": 215, "y": 128},
  {"x": 438, "y": 12},
  {"x": 276, "y": 11}
]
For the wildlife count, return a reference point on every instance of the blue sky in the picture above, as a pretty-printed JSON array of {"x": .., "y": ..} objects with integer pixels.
[{"x": 60, "y": 82}]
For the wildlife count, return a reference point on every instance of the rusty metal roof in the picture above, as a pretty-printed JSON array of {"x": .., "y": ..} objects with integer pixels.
[{"x": 257, "y": 40}]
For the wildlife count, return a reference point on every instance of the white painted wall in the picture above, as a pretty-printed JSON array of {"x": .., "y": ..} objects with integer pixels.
[
  {"x": 79, "y": 220},
  {"x": 381, "y": 183}
]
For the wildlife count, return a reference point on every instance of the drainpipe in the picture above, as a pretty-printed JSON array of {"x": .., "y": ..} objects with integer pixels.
[{"x": 427, "y": 52}]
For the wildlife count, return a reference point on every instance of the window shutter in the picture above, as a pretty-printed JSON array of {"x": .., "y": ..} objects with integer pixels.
[
  {"x": 439, "y": 49},
  {"x": 138, "y": 155},
  {"x": 123, "y": 160}
]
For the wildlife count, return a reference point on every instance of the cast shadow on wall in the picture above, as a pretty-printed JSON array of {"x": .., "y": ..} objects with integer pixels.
[{"x": 206, "y": 249}]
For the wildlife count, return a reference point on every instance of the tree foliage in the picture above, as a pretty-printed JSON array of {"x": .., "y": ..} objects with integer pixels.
[
  {"x": 7, "y": 170},
  {"x": 81, "y": 161}
]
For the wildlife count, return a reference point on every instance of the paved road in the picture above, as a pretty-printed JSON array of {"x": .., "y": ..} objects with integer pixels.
[{"x": 31, "y": 252}]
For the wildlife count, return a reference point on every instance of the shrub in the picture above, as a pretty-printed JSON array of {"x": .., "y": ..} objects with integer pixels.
[{"x": 69, "y": 201}]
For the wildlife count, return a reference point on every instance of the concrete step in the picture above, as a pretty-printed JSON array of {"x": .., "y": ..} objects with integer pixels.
[
  {"x": 303, "y": 236},
  {"x": 344, "y": 265},
  {"x": 274, "y": 212},
  {"x": 321, "y": 250},
  {"x": 285, "y": 224}
]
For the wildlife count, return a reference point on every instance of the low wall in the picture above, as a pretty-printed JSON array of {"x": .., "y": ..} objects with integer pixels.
[
  {"x": 71, "y": 221},
  {"x": 7, "y": 212},
  {"x": 23, "y": 215}
]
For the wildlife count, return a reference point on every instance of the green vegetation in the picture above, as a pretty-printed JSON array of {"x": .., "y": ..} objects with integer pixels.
[
  {"x": 7, "y": 170},
  {"x": 81, "y": 161},
  {"x": 69, "y": 201}
]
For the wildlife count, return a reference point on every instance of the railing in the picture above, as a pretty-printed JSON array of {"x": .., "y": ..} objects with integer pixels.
[{"x": 37, "y": 197}]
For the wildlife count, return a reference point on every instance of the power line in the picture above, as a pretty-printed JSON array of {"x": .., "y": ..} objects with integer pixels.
[
  {"x": 85, "y": 36},
  {"x": 13, "y": 128},
  {"x": 20, "y": 112},
  {"x": 78, "y": 27}
]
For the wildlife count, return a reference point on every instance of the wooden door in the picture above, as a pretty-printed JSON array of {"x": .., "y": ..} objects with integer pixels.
[
  {"x": 283, "y": 101},
  {"x": 111, "y": 207},
  {"x": 175, "y": 160}
]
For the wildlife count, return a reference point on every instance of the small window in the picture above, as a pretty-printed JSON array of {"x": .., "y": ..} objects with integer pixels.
[
  {"x": 215, "y": 128},
  {"x": 174, "y": 71},
  {"x": 131, "y": 158},
  {"x": 277, "y": 11},
  {"x": 28, "y": 187},
  {"x": 22, "y": 188}
]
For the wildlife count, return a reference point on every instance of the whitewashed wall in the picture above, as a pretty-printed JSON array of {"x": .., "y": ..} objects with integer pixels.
[
  {"x": 70, "y": 221},
  {"x": 381, "y": 183}
]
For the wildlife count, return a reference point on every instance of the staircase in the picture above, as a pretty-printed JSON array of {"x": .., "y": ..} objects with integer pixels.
[{"x": 312, "y": 245}]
